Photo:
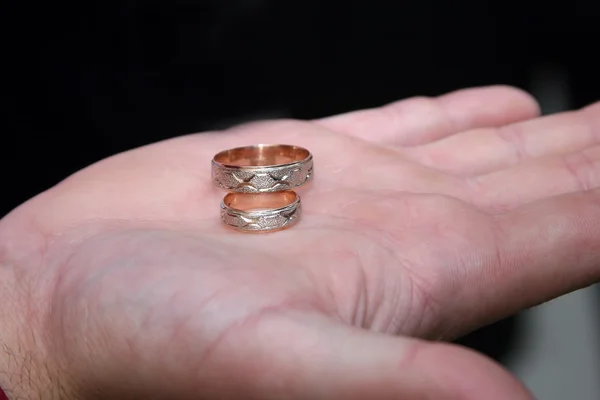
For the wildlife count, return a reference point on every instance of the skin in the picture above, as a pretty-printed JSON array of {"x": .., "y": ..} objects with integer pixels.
[{"x": 427, "y": 218}]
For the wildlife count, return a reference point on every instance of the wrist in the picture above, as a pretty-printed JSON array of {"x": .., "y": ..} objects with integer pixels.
[
  {"x": 26, "y": 371},
  {"x": 21, "y": 365}
]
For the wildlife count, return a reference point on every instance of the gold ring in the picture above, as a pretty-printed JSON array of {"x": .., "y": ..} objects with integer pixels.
[
  {"x": 266, "y": 212},
  {"x": 262, "y": 168}
]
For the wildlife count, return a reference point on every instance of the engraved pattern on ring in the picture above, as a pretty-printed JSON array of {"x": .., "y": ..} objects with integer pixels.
[
  {"x": 264, "y": 220},
  {"x": 263, "y": 179}
]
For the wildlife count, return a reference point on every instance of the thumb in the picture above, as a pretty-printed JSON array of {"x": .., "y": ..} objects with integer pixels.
[
  {"x": 313, "y": 357},
  {"x": 308, "y": 356}
]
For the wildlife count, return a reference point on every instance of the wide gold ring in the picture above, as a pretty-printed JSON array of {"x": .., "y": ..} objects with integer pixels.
[
  {"x": 264, "y": 212},
  {"x": 263, "y": 168}
]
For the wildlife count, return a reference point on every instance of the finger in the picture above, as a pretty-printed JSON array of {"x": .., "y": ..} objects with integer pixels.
[
  {"x": 316, "y": 358},
  {"x": 422, "y": 120},
  {"x": 485, "y": 150},
  {"x": 538, "y": 179},
  {"x": 542, "y": 250}
]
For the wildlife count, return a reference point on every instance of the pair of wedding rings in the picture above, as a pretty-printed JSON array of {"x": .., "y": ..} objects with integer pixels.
[{"x": 260, "y": 180}]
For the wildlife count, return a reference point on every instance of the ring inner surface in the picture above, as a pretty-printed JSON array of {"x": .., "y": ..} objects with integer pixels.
[
  {"x": 259, "y": 201},
  {"x": 261, "y": 156}
]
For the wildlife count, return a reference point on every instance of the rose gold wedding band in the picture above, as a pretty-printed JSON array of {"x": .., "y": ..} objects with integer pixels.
[
  {"x": 263, "y": 168},
  {"x": 265, "y": 212}
]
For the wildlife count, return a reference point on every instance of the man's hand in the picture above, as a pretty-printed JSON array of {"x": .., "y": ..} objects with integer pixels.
[{"x": 426, "y": 219}]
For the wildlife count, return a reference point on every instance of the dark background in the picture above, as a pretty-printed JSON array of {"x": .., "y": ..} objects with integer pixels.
[{"x": 85, "y": 81}]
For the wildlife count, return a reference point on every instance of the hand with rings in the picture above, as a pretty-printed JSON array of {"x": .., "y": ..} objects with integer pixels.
[{"x": 422, "y": 220}]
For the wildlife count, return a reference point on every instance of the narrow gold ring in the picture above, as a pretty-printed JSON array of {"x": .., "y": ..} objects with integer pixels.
[
  {"x": 266, "y": 212},
  {"x": 263, "y": 168}
]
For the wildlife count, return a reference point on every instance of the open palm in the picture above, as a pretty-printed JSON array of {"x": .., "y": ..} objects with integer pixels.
[{"x": 426, "y": 219}]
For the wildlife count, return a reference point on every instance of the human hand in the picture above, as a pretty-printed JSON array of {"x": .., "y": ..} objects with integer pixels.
[{"x": 426, "y": 219}]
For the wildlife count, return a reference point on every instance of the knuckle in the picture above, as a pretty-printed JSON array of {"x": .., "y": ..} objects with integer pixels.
[
  {"x": 514, "y": 138},
  {"x": 584, "y": 168}
]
